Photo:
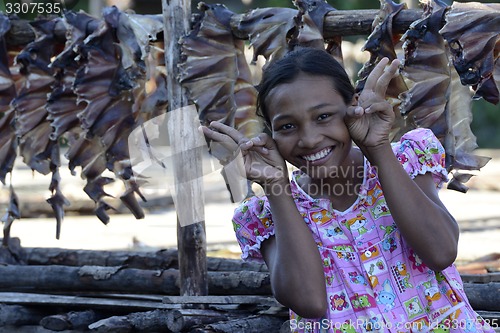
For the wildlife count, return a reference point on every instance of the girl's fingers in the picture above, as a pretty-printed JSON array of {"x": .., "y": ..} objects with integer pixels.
[
  {"x": 219, "y": 139},
  {"x": 379, "y": 107},
  {"x": 233, "y": 133},
  {"x": 260, "y": 143},
  {"x": 355, "y": 111},
  {"x": 375, "y": 74},
  {"x": 386, "y": 77}
]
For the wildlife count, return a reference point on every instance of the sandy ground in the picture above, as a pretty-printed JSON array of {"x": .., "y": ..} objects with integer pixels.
[{"x": 477, "y": 212}]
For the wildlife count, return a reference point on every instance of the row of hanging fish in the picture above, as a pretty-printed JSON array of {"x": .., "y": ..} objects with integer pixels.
[
  {"x": 89, "y": 90},
  {"x": 107, "y": 77},
  {"x": 449, "y": 57}
]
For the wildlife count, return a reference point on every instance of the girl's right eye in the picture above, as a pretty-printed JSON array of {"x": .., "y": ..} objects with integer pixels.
[{"x": 285, "y": 127}]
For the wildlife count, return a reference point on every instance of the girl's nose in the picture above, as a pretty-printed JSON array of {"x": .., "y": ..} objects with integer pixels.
[{"x": 309, "y": 139}]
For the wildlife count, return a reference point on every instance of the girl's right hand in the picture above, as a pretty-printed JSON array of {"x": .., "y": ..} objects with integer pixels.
[{"x": 263, "y": 163}]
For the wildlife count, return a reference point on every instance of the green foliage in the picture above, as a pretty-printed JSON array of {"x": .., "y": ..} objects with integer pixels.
[{"x": 486, "y": 124}]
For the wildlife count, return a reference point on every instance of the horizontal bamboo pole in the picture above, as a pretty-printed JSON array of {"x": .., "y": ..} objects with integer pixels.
[{"x": 337, "y": 23}]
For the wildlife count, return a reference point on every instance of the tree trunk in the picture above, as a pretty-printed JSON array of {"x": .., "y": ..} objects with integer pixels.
[
  {"x": 130, "y": 280},
  {"x": 184, "y": 139}
]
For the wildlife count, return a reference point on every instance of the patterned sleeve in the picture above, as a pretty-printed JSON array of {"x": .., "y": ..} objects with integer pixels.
[
  {"x": 252, "y": 224},
  {"x": 419, "y": 152}
]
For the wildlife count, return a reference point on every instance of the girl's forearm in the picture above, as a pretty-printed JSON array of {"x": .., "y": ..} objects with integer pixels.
[
  {"x": 424, "y": 222},
  {"x": 297, "y": 275}
]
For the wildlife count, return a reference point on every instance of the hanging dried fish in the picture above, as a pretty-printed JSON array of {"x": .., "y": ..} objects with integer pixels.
[
  {"x": 62, "y": 104},
  {"x": 31, "y": 124},
  {"x": 12, "y": 214},
  {"x": 268, "y": 30},
  {"x": 111, "y": 81},
  {"x": 436, "y": 99},
  {"x": 384, "y": 42},
  {"x": 57, "y": 201},
  {"x": 104, "y": 86},
  {"x": 9, "y": 74},
  {"x": 472, "y": 32},
  {"x": 216, "y": 73},
  {"x": 310, "y": 19},
  {"x": 426, "y": 66}
]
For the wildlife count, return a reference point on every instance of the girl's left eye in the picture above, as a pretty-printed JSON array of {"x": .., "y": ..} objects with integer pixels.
[{"x": 323, "y": 116}]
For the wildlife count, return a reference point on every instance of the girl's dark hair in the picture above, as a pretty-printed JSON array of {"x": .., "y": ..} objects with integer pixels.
[{"x": 305, "y": 60}]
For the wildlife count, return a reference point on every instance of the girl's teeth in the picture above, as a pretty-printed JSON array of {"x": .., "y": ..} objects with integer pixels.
[{"x": 318, "y": 155}]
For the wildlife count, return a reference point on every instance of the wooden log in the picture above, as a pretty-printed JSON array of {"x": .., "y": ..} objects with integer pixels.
[
  {"x": 70, "y": 321},
  {"x": 184, "y": 139},
  {"x": 78, "y": 302},
  {"x": 149, "y": 321},
  {"x": 337, "y": 23},
  {"x": 94, "y": 278},
  {"x": 12, "y": 253},
  {"x": 252, "y": 324},
  {"x": 162, "y": 259},
  {"x": 231, "y": 299},
  {"x": 183, "y": 319},
  {"x": 33, "y": 329},
  {"x": 483, "y": 296},
  {"x": 19, "y": 315}
]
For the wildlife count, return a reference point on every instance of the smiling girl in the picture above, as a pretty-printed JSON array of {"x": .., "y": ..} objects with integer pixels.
[{"x": 347, "y": 169}]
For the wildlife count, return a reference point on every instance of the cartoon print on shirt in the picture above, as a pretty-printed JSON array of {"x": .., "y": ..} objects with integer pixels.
[
  {"x": 373, "y": 195},
  {"x": 401, "y": 276},
  {"x": 372, "y": 322},
  {"x": 321, "y": 217},
  {"x": 431, "y": 292},
  {"x": 386, "y": 296},
  {"x": 420, "y": 325},
  {"x": 346, "y": 327},
  {"x": 362, "y": 302},
  {"x": 425, "y": 158},
  {"x": 389, "y": 244},
  {"x": 413, "y": 307},
  {"x": 380, "y": 209},
  {"x": 441, "y": 328},
  {"x": 345, "y": 252},
  {"x": 334, "y": 232},
  {"x": 354, "y": 277},
  {"x": 371, "y": 252},
  {"x": 358, "y": 224},
  {"x": 374, "y": 268},
  {"x": 388, "y": 229},
  {"x": 339, "y": 302},
  {"x": 417, "y": 263}
]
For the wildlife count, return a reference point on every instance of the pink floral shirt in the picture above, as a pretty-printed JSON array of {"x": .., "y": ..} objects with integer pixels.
[{"x": 375, "y": 282}]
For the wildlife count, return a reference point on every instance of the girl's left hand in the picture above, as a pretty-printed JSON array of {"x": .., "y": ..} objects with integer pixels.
[{"x": 370, "y": 120}]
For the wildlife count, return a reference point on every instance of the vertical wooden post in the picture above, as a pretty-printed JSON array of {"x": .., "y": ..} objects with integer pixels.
[{"x": 191, "y": 237}]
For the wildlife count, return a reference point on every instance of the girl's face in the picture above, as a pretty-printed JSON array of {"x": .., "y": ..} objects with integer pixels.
[{"x": 307, "y": 123}]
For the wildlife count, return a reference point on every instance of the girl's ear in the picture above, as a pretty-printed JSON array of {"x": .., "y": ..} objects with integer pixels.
[{"x": 354, "y": 101}]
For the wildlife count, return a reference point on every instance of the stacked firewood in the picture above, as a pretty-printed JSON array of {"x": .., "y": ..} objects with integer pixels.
[
  {"x": 130, "y": 291},
  {"x": 133, "y": 291}
]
